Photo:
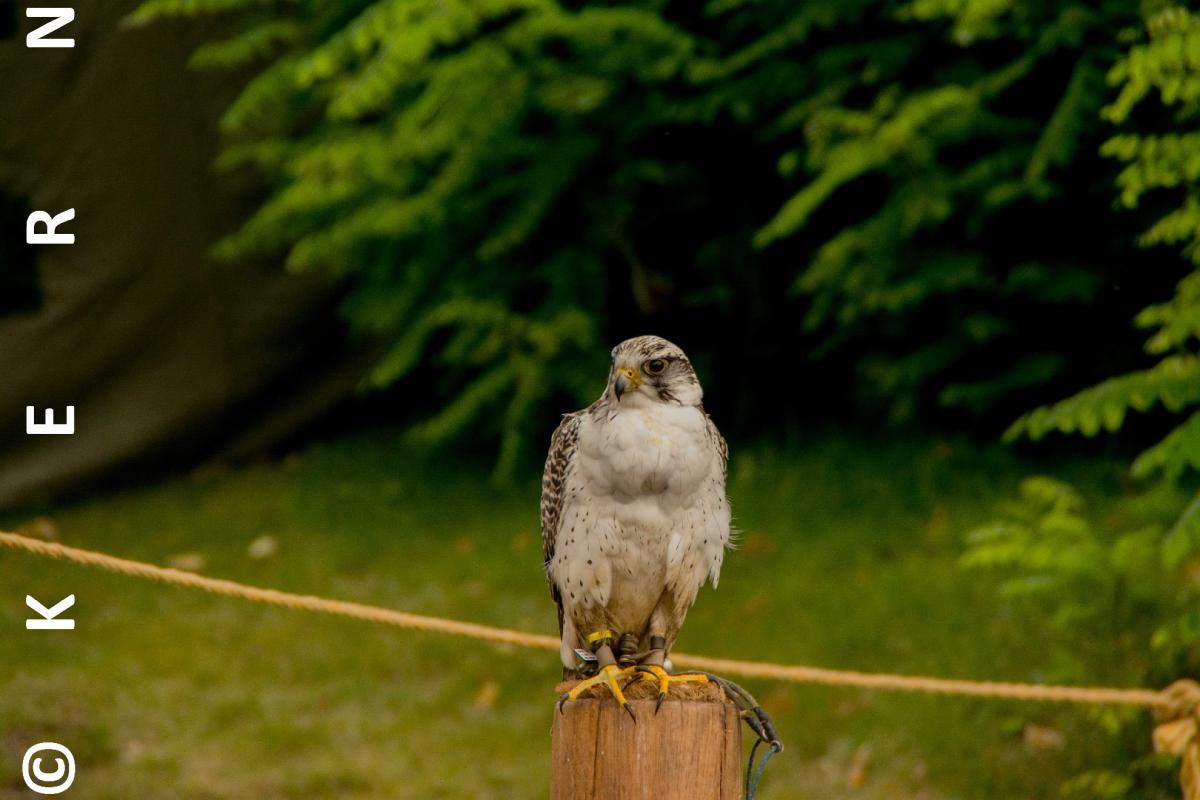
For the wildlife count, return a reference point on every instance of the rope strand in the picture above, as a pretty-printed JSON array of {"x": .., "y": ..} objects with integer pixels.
[{"x": 750, "y": 669}]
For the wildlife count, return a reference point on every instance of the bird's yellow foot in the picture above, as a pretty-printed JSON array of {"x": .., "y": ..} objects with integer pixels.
[
  {"x": 653, "y": 672},
  {"x": 608, "y": 676}
]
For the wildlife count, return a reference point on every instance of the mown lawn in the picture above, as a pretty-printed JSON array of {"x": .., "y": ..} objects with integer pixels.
[{"x": 847, "y": 559}]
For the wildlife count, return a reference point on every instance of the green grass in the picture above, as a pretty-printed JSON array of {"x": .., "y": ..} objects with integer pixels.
[{"x": 847, "y": 559}]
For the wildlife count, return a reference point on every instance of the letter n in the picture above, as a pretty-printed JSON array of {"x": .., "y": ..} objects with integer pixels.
[{"x": 59, "y": 17}]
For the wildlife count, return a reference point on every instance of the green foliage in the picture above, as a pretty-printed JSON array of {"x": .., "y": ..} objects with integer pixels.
[
  {"x": 418, "y": 147},
  {"x": 1054, "y": 551},
  {"x": 958, "y": 157},
  {"x": 899, "y": 186},
  {"x": 1167, "y": 66},
  {"x": 1174, "y": 383},
  {"x": 1097, "y": 785},
  {"x": 1107, "y": 585},
  {"x": 1136, "y": 582},
  {"x": 499, "y": 353}
]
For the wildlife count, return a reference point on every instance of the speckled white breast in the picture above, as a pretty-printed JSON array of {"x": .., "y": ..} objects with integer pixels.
[{"x": 645, "y": 510}]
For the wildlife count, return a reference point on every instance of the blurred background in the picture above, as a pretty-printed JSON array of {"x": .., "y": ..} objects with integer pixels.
[{"x": 341, "y": 264}]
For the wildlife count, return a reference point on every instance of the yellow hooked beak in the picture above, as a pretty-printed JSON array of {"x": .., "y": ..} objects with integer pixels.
[{"x": 626, "y": 380}]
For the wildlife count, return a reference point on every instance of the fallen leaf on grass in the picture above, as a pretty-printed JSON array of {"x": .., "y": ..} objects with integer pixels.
[
  {"x": 860, "y": 762},
  {"x": 264, "y": 546},
  {"x": 1042, "y": 737},
  {"x": 487, "y": 694}
]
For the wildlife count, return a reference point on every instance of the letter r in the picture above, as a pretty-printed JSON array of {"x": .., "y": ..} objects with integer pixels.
[{"x": 50, "y": 236}]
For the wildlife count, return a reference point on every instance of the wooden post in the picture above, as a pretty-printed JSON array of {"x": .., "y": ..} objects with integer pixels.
[{"x": 690, "y": 750}]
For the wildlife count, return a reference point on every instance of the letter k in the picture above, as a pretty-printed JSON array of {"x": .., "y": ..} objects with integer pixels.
[{"x": 48, "y": 621}]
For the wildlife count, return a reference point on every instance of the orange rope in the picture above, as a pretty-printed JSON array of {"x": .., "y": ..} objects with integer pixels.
[{"x": 750, "y": 669}]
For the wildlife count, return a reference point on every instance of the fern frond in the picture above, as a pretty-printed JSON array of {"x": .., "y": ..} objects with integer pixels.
[
  {"x": 1183, "y": 540},
  {"x": 1078, "y": 105},
  {"x": 152, "y": 10},
  {"x": 1175, "y": 454},
  {"x": 1174, "y": 383},
  {"x": 255, "y": 42},
  {"x": 1178, "y": 321}
]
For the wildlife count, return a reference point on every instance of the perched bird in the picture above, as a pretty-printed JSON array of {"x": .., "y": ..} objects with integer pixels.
[{"x": 634, "y": 518}]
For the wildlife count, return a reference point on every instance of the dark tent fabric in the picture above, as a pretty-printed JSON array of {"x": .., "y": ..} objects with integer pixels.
[{"x": 168, "y": 357}]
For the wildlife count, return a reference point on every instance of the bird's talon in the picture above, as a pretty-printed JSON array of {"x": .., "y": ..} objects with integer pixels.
[
  {"x": 654, "y": 672},
  {"x": 631, "y": 682},
  {"x": 607, "y": 676}
]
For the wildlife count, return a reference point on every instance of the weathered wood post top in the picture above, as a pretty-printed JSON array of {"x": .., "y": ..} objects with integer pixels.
[{"x": 690, "y": 750}]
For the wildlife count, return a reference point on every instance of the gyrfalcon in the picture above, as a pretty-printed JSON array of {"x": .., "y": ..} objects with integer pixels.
[{"x": 634, "y": 518}]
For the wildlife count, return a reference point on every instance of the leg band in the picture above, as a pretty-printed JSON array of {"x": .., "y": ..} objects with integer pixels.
[{"x": 600, "y": 637}]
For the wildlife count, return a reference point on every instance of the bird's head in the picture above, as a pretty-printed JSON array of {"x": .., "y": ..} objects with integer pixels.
[{"x": 649, "y": 369}]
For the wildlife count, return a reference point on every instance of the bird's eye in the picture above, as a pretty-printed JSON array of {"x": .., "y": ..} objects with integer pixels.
[{"x": 654, "y": 366}]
